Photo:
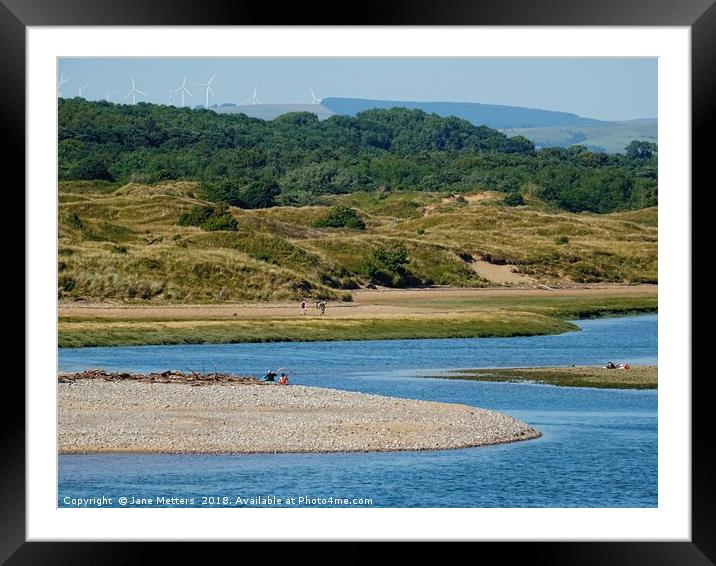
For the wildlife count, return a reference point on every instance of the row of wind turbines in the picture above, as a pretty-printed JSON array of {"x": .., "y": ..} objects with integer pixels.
[{"x": 182, "y": 91}]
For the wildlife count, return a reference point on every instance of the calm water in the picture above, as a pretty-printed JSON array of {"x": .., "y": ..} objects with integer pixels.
[{"x": 599, "y": 447}]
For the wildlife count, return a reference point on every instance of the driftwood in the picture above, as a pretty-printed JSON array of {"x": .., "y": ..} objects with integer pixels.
[{"x": 172, "y": 376}]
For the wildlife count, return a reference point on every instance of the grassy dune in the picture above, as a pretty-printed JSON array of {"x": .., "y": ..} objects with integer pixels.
[
  {"x": 125, "y": 244},
  {"x": 122, "y": 246}
]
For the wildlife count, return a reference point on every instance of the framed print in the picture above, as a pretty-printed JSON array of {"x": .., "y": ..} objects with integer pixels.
[{"x": 394, "y": 278}]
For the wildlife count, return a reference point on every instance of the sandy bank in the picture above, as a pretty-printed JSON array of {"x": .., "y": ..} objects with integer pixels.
[
  {"x": 136, "y": 416},
  {"x": 635, "y": 377},
  {"x": 367, "y": 303}
]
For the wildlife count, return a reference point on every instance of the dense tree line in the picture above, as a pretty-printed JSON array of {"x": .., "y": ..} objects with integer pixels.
[{"x": 296, "y": 159}]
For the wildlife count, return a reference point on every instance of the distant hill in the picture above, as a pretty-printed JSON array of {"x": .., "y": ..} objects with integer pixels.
[
  {"x": 546, "y": 128},
  {"x": 492, "y": 115},
  {"x": 271, "y": 111},
  {"x": 609, "y": 137}
]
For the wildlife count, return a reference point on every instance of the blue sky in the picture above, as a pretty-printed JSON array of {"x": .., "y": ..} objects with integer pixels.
[{"x": 606, "y": 89}]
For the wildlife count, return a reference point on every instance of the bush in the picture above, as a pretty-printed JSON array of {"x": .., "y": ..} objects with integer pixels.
[
  {"x": 341, "y": 217},
  {"x": 386, "y": 265},
  {"x": 224, "y": 222},
  {"x": 561, "y": 240},
  {"x": 392, "y": 255},
  {"x": 513, "y": 199},
  {"x": 197, "y": 215},
  {"x": 209, "y": 218},
  {"x": 255, "y": 194}
]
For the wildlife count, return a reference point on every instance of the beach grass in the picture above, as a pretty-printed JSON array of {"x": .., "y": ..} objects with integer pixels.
[{"x": 125, "y": 243}]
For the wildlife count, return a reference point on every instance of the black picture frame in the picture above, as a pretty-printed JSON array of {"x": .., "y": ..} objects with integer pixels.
[{"x": 699, "y": 15}]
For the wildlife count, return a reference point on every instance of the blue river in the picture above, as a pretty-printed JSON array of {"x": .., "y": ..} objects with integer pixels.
[{"x": 598, "y": 449}]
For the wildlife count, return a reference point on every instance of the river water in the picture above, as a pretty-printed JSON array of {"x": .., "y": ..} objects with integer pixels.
[{"x": 598, "y": 449}]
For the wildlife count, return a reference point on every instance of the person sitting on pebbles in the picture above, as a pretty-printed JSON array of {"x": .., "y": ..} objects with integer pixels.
[{"x": 283, "y": 380}]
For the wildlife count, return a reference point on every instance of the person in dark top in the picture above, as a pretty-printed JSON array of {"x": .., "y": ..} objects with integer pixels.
[{"x": 270, "y": 376}]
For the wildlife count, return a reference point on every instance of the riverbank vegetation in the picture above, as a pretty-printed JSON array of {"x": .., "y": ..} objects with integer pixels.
[
  {"x": 372, "y": 316},
  {"x": 635, "y": 377}
]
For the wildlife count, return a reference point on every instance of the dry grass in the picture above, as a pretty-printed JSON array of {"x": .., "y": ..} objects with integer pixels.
[{"x": 127, "y": 245}]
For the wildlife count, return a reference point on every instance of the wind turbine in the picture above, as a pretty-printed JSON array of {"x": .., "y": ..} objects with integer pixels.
[
  {"x": 207, "y": 86},
  {"x": 253, "y": 100},
  {"x": 109, "y": 95},
  {"x": 134, "y": 92},
  {"x": 81, "y": 88},
  {"x": 315, "y": 99},
  {"x": 171, "y": 97},
  {"x": 61, "y": 82},
  {"x": 183, "y": 91}
]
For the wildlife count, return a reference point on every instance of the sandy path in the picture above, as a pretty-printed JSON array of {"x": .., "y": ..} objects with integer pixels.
[
  {"x": 118, "y": 416},
  {"x": 369, "y": 303}
]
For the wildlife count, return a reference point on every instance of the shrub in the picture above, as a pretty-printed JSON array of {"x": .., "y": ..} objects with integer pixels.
[
  {"x": 341, "y": 217},
  {"x": 392, "y": 255},
  {"x": 119, "y": 249},
  {"x": 386, "y": 265},
  {"x": 209, "y": 218},
  {"x": 561, "y": 240},
  {"x": 513, "y": 199},
  {"x": 197, "y": 215},
  {"x": 224, "y": 222},
  {"x": 254, "y": 194}
]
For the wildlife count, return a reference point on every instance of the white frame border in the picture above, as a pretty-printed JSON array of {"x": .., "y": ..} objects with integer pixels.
[{"x": 669, "y": 521}]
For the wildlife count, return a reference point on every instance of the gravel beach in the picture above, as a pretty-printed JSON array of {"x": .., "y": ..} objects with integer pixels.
[{"x": 135, "y": 416}]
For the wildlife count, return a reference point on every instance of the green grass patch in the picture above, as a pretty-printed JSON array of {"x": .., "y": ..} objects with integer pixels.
[
  {"x": 303, "y": 330},
  {"x": 636, "y": 377}
]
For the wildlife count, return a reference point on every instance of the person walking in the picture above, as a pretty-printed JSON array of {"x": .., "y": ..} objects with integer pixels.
[
  {"x": 303, "y": 306},
  {"x": 322, "y": 307}
]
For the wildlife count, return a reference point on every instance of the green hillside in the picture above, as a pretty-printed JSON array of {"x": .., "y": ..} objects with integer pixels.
[{"x": 296, "y": 159}]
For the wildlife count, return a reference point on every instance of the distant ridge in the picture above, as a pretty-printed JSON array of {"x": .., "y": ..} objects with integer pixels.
[
  {"x": 492, "y": 115},
  {"x": 271, "y": 111},
  {"x": 546, "y": 128}
]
